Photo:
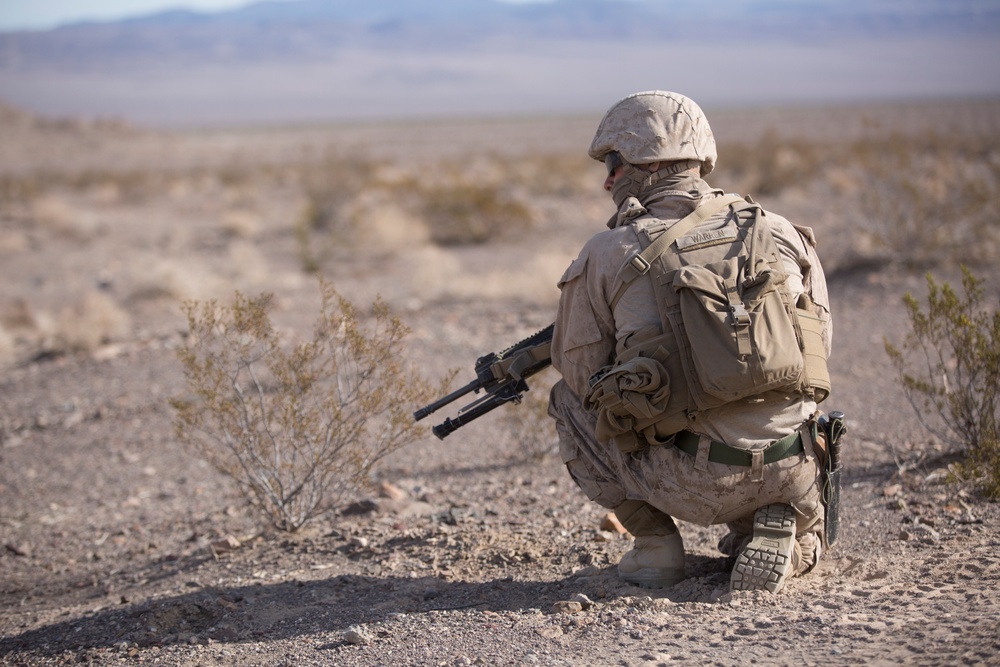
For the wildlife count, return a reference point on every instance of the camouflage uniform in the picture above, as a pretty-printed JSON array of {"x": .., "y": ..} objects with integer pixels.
[{"x": 650, "y": 486}]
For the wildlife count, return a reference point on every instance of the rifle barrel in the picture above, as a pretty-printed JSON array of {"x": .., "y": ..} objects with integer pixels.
[
  {"x": 475, "y": 411},
  {"x": 475, "y": 385}
]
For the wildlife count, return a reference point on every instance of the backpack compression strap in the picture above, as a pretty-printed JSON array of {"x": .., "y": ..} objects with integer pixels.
[{"x": 641, "y": 262}]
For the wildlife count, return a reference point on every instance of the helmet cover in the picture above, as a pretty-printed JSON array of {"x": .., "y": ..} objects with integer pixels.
[{"x": 656, "y": 126}]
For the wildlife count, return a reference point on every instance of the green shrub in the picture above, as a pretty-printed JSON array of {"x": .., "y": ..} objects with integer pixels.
[
  {"x": 950, "y": 369},
  {"x": 298, "y": 428}
]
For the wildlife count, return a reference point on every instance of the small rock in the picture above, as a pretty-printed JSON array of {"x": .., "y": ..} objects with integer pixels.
[
  {"x": 108, "y": 352},
  {"x": 391, "y": 491},
  {"x": 22, "y": 550},
  {"x": 925, "y": 531},
  {"x": 225, "y": 633},
  {"x": 357, "y": 635},
  {"x": 585, "y": 602},
  {"x": 567, "y": 607},
  {"x": 226, "y": 545},
  {"x": 611, "y": 524}
]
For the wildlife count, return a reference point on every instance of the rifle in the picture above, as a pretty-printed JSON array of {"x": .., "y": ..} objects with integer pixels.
[{"x": 501, "y": 375}]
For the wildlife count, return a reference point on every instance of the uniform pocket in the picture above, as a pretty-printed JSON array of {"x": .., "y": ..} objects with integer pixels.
[{"x": 581, "y": 326}]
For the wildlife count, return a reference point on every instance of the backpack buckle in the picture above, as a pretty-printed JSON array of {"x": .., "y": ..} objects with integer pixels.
[
  {"x": 741, "y": 318},
  {"x": 640, "y": 265}
]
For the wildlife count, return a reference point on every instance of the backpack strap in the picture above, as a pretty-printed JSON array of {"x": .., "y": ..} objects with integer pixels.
[{"x": 640, "y": 263}]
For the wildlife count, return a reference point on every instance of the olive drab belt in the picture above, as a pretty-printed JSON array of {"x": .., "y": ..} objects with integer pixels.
[{"x": 720, "y": 452}]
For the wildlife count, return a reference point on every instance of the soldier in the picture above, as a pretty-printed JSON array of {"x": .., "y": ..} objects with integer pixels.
[{"x": 653, "y": 421}]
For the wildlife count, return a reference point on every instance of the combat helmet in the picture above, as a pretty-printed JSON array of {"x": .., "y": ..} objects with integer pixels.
[{"x": 655, "y": 126}]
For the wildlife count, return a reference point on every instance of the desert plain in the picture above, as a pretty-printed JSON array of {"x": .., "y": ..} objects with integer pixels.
[{"x": 120, "y": 546}]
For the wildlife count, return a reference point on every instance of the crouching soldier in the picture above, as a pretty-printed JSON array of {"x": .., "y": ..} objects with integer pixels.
[{"x": 692, "y": 339}]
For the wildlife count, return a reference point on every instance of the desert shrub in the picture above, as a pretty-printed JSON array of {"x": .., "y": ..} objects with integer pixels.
[
  {"x": 949, "y": 367},
  {"x": 548, "y": 174},
  {"x": 771, "y": 163},
  {"x": 89, "y": 323},
  {"x": 353, "y": 207},
  {"x": 299, "y": 427},
  {"x": 324, "y": 224},
  {"x": 931, "y": 200},
  {"x": 470, "y": 213}
]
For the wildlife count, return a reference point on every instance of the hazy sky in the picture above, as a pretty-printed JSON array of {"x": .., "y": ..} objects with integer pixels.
[
  {"x": 34, "y": 14},
  {"x": 40, "y": 14}
]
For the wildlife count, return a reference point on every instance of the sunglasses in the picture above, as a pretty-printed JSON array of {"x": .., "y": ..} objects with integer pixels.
[{"x": 612, "y": 161}]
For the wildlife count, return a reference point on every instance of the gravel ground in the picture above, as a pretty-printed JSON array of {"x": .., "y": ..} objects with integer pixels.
[{"x": 118, "y": 547}]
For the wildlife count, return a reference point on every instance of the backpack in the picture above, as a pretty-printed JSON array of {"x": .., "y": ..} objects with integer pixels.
[{"x": 730, "y": 329}]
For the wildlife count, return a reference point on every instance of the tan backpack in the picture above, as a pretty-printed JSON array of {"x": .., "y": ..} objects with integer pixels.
[{"x": 730, "y": 328}]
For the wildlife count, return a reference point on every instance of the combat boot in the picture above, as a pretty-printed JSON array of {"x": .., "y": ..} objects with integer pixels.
[
  {"x": 771, "y": 555},
  {"x": 656, "y": 561},
  {"x": 657, "y": 557}
]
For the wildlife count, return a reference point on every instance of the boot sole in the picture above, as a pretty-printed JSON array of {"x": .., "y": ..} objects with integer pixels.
[{"x": 766, "y": 561}]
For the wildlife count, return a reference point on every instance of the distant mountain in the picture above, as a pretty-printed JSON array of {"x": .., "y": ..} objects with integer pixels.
[
  {"x": 309, "y": 30},
  {"x": 322, "y": 59}
]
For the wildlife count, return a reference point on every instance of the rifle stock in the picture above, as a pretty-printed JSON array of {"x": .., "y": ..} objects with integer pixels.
[{"x": 501, "y": 375}]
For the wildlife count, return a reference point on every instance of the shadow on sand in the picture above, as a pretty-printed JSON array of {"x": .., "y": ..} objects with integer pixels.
[{"x": 268, "y": 612}]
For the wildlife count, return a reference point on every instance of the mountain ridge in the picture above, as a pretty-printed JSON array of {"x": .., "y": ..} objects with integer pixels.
[
  {"x": 316, "y": 29},
  {"x": 315, "y": 59}
]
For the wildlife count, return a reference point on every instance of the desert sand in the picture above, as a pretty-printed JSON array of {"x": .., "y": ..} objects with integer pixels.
[{"x": 120, "y": 547}]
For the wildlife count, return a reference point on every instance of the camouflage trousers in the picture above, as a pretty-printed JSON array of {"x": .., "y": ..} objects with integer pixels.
[{"x": 686, "y": 487}]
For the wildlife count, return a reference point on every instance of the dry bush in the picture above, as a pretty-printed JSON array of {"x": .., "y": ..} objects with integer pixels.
[
  {"x": 63, "y": 220},
  {"x": 931, "y": 200},
  {"x": 152, "y": 278},
  {"x": 94, "y": 321},
  {"x": 382, "y": 208},
  {"x": 543, "y": 174},
  {"x": 19, "y": 189},
  {"x": 323, "y": 225},
  {"x": 771, "y": 164},
  {"x": 240, "y": 224},
  {"x": 298, "y": 428},
  {"x": 471, "y": 213},
  {"x": 949, "y": 367},
  {"x": 435, "y": 274}
]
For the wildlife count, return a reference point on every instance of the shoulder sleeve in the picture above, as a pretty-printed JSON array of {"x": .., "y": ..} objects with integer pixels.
[{"x": 583, "y": 337}]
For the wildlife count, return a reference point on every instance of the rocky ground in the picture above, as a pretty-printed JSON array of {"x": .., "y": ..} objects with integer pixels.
[{"x": 119, "y": 547}]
